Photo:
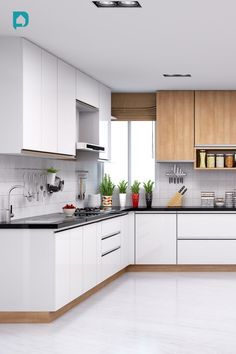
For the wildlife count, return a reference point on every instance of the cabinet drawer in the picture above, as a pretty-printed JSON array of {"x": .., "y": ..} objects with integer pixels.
[
  {"x": 206, "y": 226},
  {"x": 111, "y": 242},
  {"x": 207, "y": 252},
  {"x": 110, "y": 263},
  {"x": 111, "y": 226}
]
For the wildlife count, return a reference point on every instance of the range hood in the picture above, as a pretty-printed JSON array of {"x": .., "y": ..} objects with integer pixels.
[{"x": 90, "y": 147}]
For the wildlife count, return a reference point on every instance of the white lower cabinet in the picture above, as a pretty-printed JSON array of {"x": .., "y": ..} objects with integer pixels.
[
  {"x": 62, "y": 268},
  {"x": 90, "y": 257},
  {"x": 155, "y": 238},
  {"x": 76, "y": 262},
  {"x": 207, "y": 252}
]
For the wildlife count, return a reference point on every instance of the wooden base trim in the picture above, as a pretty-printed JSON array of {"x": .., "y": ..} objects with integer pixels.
[
  {"x": 46, "y": 317},
  {"x": 181, "y": 268}
]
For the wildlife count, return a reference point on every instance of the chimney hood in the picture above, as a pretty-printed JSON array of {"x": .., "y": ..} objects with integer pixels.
[{"x": 89, "y": 147}]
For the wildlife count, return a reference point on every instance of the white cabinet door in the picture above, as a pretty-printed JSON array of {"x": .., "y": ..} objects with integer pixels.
[
  {"x": 66, "y": 109},
  {"x": 125, "y": 242},
  {"x": 32, "y": 91},
  {"x": 76, "y": 262},
  {"x": 110, "y": 263},
  {"x": 62, "y": 268},
  {"x": 206, "y": 226},
  {"x": 155, "y": 239},
  {"x": 49, "y": 102},
  {"x": 87, "y": 89},
  {"x": 104, "y": 121},
  {"x": 90, "y": 257},
  {"x": 207, "y": 252}
]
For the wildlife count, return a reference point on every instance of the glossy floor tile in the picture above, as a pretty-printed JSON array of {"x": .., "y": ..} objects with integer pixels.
[{"x": 140, "y": 313}]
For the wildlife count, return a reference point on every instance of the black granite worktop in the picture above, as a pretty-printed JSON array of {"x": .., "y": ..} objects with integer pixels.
[{"x": 60, "y": 221}]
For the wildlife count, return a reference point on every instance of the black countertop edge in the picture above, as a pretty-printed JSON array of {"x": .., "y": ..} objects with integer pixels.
[{"x": 75, "y": 222}]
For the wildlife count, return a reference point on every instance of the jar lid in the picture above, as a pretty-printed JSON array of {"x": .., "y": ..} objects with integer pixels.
[
  {"x": 220, "y": 155},
  {"x": 229, "y": 154},
  {"x": 210, "y": 154}
]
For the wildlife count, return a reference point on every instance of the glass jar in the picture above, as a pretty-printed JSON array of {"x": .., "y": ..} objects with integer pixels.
[
  {"x": 229, "y": 160},
  {"x": 220, "y": 160},
  {"x": 210, "y": 160},
  {"x": 202, "y": 159}
]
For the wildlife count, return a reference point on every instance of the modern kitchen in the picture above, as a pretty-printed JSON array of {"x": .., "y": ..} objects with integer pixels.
[{"x": 117, "y": 177}]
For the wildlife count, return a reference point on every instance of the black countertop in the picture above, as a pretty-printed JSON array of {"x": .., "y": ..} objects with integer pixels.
[{"x": 60, "y": 221}]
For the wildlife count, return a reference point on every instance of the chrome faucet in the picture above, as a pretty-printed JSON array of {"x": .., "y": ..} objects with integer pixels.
[{"x": 9, "y": 213}]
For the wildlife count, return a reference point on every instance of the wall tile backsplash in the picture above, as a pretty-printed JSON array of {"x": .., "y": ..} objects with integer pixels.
[
  {"x": 196, "y": 181},
  {"x": 11, "y": 173}
]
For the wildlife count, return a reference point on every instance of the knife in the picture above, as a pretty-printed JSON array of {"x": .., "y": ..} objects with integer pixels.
[
  {"x": 184, "y": 191},
  {"x": 181, "y": 189}
]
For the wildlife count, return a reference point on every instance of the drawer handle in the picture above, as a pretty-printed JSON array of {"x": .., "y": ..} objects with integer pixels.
[
  {"x": 110, "y": 235},
  {"x": 113, "y": 250}
]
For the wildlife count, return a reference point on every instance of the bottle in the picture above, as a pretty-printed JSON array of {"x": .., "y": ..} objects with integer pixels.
[{"x": 202, "y": 159}]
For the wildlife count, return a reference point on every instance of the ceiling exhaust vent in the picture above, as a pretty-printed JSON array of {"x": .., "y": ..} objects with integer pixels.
[
  {"x": 117, "y": 4},
  {"x": 177, "y": 75}
]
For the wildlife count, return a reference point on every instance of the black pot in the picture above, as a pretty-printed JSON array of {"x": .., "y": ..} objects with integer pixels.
[{"x": 148, "y": 199}]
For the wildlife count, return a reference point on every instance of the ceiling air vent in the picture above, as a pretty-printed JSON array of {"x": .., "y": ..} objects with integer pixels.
[
  {"x": 117, "y": 4},
  {"x": 177, "y": 75}
]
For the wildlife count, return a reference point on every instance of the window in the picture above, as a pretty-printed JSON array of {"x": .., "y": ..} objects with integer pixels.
[{"x": 132, "y": 151}]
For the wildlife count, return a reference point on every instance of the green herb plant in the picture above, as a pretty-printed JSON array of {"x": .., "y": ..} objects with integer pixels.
[
  {"x": 148, "y": 186},
  {"x": 122, "y": 186},
  {"x": 135, "y": 187},
  {"x": 107, "y": 187},
  {"x": 52, "y": 170}
]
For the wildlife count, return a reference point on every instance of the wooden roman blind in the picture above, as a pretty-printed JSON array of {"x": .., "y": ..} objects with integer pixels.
[{"x": 133, "y": 106}]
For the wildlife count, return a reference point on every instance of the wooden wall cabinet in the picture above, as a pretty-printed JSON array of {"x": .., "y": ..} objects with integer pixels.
[
  {"x": 215, "y": 118},
  {"x": 175, "y": 126}
]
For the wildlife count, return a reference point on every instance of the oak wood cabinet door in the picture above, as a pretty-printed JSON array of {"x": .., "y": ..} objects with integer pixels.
[
  {"x": 215, "y": 118},
  {"x": 175, "y": 126}
]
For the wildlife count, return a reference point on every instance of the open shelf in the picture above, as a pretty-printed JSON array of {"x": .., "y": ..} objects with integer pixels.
[{"x": 214, "y": 150}]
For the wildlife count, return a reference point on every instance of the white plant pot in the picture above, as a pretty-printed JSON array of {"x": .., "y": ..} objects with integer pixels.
[
  {"x": 122, "y": 197},
  {"x": 51, "y": 178}
]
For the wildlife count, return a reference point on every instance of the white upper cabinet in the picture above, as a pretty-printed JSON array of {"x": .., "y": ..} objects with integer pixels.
[
  {"x": 104, "y": 121},
  {"x": 32, "y": 91},
  {"x": 87, "y": 89},
  {"x": 66, "y": 109},
  {"x": 49, "y": 102}
]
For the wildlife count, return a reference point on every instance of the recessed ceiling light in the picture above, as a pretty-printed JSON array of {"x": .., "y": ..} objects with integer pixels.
[
  {"x": 105, "y": 3},
  {"x": 117, "y": 4},
  {"x": 177, "y": 75},
  {"x": 129, "y": 4}
]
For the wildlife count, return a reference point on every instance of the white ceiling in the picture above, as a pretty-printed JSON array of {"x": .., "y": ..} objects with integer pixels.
[{"x": 130, "y": 49}]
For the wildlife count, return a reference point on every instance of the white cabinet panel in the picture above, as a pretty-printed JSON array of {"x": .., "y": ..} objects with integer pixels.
[
  {"x": 87, "y": 89},
  {"x": 90, "y": 257},
  {"x": 207, "y": 252},
  {"x": 62, "y": 268},
  {"x": 32, "y": 91},
  {"x": 49, "y": 102},
  {"x": 111, "y": 226},
  {"x": 125, "y": 242},
  {"x": 104, "y": 121},
  {"x": 206, "y": 226},
  {"x": 76, "y": 262},
  {"x": 66, "y": 109},
  {"x": 155, "y": 239},
  {"x": 110, "y": 264}
]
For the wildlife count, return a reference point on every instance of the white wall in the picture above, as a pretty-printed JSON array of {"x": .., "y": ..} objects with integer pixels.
[{"x": 11, "y": 173}]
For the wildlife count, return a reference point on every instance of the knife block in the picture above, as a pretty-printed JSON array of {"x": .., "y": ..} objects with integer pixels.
[{"x": 175, "y": 201}]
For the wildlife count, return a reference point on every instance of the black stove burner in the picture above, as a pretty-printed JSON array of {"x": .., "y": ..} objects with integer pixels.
[{"x": 87, "y": 211}]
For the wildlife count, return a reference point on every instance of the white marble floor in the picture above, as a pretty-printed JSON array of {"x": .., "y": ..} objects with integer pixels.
[{"x": 140, "y": 313}]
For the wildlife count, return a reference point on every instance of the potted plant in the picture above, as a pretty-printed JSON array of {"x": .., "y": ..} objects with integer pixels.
[
  {"x": 122, "y": 186},
  {"x": 135, "y": 193},
  {"x": 106, "y": 189},
  {"x": 148, "y": 187},
  {"x": 51, "y": 175}
]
